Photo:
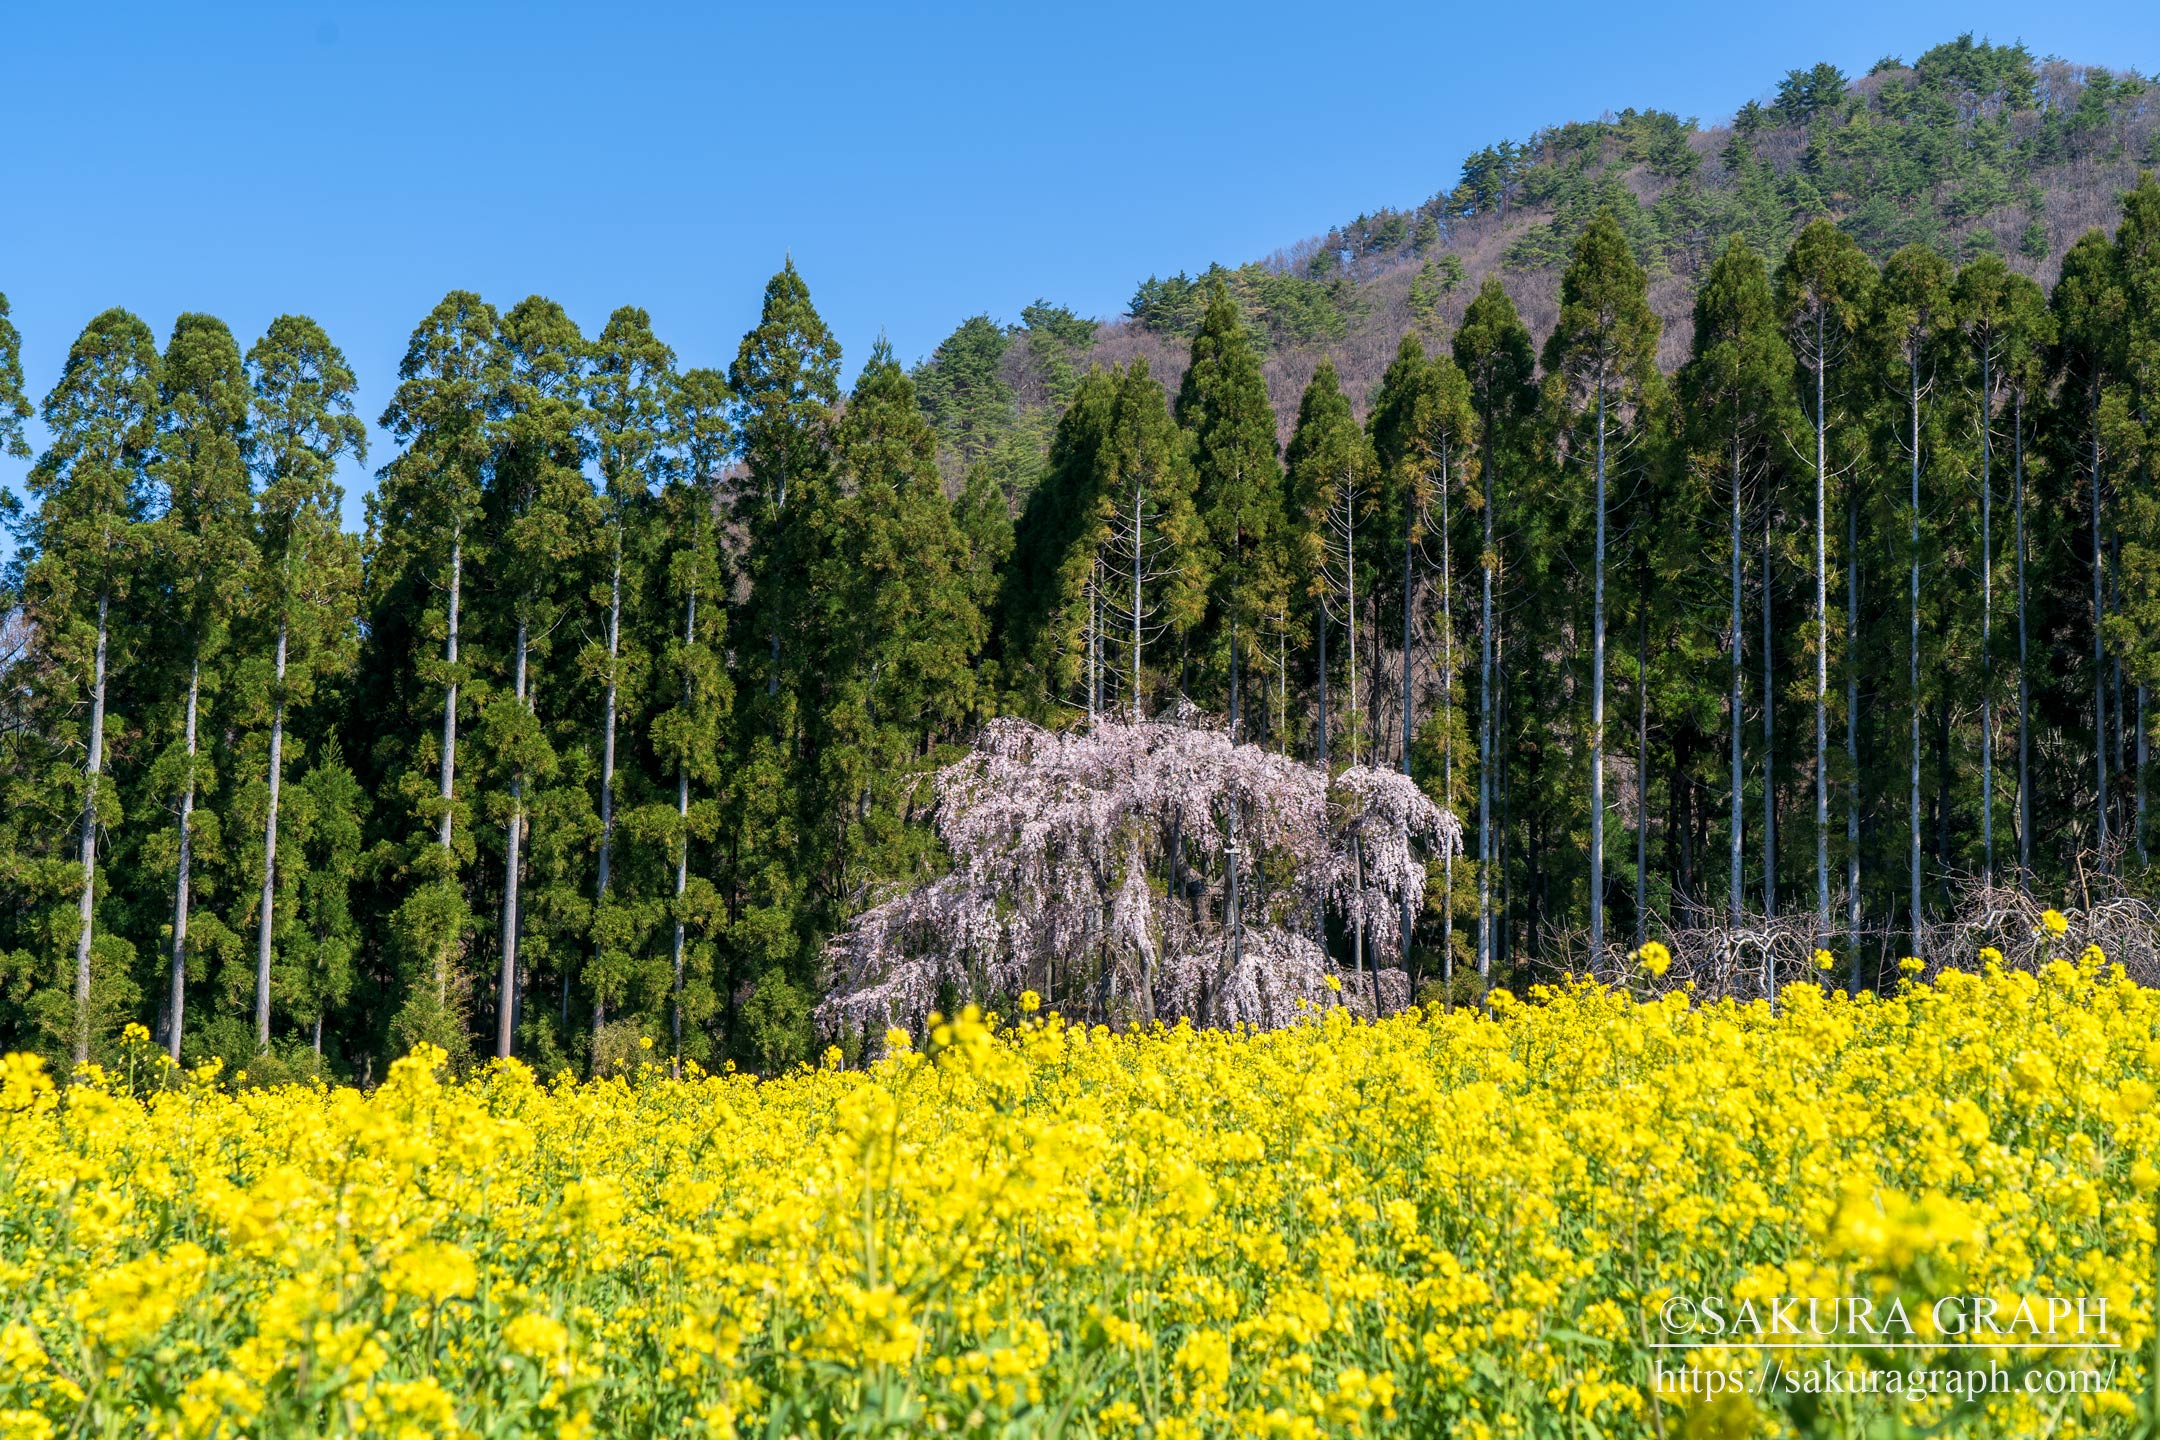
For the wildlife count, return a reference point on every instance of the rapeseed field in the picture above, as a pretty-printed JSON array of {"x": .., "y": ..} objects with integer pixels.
[{"x": 1464, "y": 1222}]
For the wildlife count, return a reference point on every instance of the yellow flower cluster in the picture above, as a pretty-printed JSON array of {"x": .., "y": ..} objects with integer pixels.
[{"x": 1448, "y": 1222}]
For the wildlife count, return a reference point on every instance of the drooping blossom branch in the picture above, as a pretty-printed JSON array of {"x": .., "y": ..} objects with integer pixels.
[{"x": 1093, "y": 866}]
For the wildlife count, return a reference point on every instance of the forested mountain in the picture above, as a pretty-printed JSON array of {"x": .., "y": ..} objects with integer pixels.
[
  {"x": 1971, "y": 149},
  {"x": 1745, "y": 533}
]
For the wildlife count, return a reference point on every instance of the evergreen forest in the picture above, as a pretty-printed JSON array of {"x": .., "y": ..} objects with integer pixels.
[{"x": 1732, "y": 527}]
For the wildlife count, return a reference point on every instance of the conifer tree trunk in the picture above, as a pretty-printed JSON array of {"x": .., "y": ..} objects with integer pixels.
[
  {"x": 180, "y": 880},
  {"x": 1485, "y": 735},
  {"x": 1447, "y": 710},
  {"x": 1642, "y": 759},
  {"x": 1597, "y": 705},
  {"x": 1139, "y": 497},
  {"x": 93, "y": 768},
  {"x": 1357, "y": 911},
  {"x": 2115, "y": 670},
  {"x": 1912, "y": 648},
  {"x": 1769, "y": 737},
  {"x": 1350, "y": 632},
  {"x": 1987, "y": 626},
  {"x": 1282, "y": 683},
  {"x": 1822, "y": 650},
  {"x": 2115, "y": 700},
  {"x": 682, "y": 851},
  {"x": 449, "y": 743},
  {"x": 1234, "y": 668},
  {"x": 264, "y": 921},
  {"x": 1323, "y": 687},
  {"x": 2024, "y": 675},
  {"x": 1094, "y": 681},
  {"x": 1233, "y": 902},
  {"x": 607, "y": 761},
  {"x": 1852, "y": 744},
  {"x": 506, "y": 989},
  {"x": 1407, "y": 584},
  {"x": 2099, "y": 656},
  {"x": 450, "y": 691},
  {"x": 1734, "y": 883},
  {"x": 772, "y": 678}
]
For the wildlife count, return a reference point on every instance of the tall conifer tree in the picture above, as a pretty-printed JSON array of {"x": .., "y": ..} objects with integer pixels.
[
  {"x": 1983, "y": 297},
  {"x": 307, "y": 580},
  {"x": 422, "y": 521},
  {"x": 1912, "y": 310},
  {"x": 1602, "y": 376},
  {"x": 1237, "y": 479},
  {"x": 786, "y": 380},
  {"x": 1823, "y": 288},
  {"x": 633, "y": 376},
  {"x": 687, "y": 733},
  {"x": 542, "y": 520},
  {"x": 205, "y": 552},
  {"x": 14, "y": 405},
  {"x": 1330, "y": 492},
  {"x": 77, "y": 562},
  {"x": 2136, "y": 423},
  {"x": 1734, "y": 391},
  {"x": 2090, "y": 312},
  {"x": 1493, "y": 349}
]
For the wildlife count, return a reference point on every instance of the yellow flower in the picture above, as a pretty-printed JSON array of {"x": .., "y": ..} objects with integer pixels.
[
  {"x": 1334, "y": 982},
  {"x": 1273, "y": 1224},
  {"x": 536, "y": 1336},
  {"x": 432, "y": 1272},
  {"x": 1654, "y": 958},
  {"x": 2055, "y": 923},
  {"x": 1824, "y": 960},
  {"x": 129, "y": 1305},
  {"x": 1030, "y": 1002}
]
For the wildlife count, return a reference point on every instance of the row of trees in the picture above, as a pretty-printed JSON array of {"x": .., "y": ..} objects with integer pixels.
[
  {"x": 621, "y": 702},
  {"x": 632, "y": 694}
]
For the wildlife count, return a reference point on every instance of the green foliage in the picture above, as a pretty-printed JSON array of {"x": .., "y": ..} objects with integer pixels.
[
  {"x": 1222, "y": 404},
  {"x": 1804, "y": 94},
  {"x": 629, "y": 394},
  {"x": 423, "y": 520},
  {"x": 962, "y": 389},
  {"x": 1048, "y": 603},
  {"x": 203, "y": 557},
  {"x": 895, "y": 627},
  {"x": 80, "y": 564},
  {"x": 14, "y": 405},
  {"x": 1328, "y": 500},
  {"x": 786, "y": 380},
  {"x": 1435, "y": 280},
  {"x": 2136, "y": 431},
  {"x": 1944, "y": 152},
  {"x": 776, "y": 1024},
  {"x": 688, "y": 729},
  {"x": 1284, "y": 308},
  {"x": 296, "y": 647}
]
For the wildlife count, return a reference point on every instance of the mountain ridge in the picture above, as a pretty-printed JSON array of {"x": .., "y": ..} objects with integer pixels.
[{"x": 1972, "y": 147}]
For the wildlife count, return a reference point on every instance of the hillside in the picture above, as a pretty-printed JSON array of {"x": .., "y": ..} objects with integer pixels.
[{"x": 1971, "y": 148}]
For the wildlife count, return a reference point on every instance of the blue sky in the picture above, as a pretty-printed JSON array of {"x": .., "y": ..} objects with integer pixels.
[{"x": 922, "y": 163}]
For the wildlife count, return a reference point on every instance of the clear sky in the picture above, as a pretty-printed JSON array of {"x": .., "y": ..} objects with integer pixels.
[{"x": 923, "y": 163}]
